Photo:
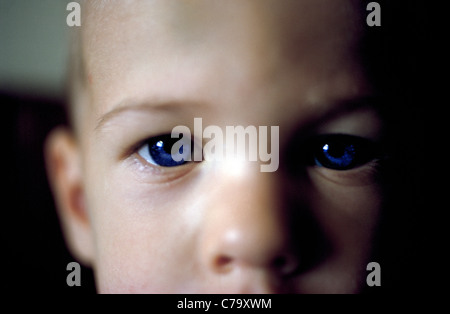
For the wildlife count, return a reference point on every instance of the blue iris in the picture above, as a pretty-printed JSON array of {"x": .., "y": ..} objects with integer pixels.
[
  {"x": 341, "y": 158},
  {"x": 160, "y": 151},
  {"x": 342, "y": 152}
]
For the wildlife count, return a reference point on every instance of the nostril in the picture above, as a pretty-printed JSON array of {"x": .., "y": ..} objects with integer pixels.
[
  {"x": 285, "y": 265},
  {"x": 280, "y": 262},
  {"x": 223, "y": 263}
]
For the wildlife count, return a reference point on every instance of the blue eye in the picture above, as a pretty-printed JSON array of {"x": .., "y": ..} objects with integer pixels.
[
  {"x": 342, "y": 152},
  {"x": 158, "y": 151}
]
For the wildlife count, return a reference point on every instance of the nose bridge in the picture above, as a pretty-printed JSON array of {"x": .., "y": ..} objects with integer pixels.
[{"x": 246, "y": 225}]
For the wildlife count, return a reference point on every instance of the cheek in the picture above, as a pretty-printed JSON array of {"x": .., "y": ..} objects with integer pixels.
[
  {"x": 347, "y": 216},
  {"x": 348, "y": 213},
  {"x": 143, "y": 239}
]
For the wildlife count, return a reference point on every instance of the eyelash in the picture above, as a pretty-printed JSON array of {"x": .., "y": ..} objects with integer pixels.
[{"x": 341, "y": 152}]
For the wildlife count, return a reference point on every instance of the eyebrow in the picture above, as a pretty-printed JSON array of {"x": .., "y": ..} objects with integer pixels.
[
  {"x": 350, "y": 105},
  {"x": 129, "y": 106},
  {"x": 340, "y": 107}
]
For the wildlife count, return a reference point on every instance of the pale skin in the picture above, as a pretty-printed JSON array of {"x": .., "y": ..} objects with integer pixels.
[{"x": 197, "y": 228}]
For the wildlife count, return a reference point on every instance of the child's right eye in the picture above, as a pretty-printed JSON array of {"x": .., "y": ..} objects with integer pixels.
[{"x": 158, "y": 151}]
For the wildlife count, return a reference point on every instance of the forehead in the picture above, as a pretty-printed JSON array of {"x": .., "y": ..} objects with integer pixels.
[
  {"x": 185, "y": 19},
  {"x": 127, "y": 43}
]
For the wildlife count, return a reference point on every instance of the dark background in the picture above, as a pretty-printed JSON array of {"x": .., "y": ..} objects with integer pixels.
[
  {"x": 410, "y": 248},
  {"x": 36, "y": 256}
]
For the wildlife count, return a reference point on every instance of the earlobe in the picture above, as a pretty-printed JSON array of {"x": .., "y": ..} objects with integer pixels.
[{"x": 63, "y": 162}]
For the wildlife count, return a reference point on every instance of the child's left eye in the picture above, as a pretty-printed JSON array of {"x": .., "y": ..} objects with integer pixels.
[
  {"x": 158, "y": 151},
  {"x": 342, "y": 152}
]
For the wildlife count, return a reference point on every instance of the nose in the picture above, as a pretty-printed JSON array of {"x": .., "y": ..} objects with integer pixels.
[{"x": 246, "y": 230}]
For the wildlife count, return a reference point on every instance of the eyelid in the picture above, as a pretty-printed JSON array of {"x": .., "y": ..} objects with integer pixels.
[
  {"x": 366, "y": 149},
  {"x": 374, "y": 145},
  {"x": 146, "y": 172},
  {"x": 134, "y": 150},
  {"x": 364, "y": 121},
  {"x": 362, "y": 175}
]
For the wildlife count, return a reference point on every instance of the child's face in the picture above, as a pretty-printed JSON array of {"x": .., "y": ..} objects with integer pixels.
[{"x": 208, "y": 226}]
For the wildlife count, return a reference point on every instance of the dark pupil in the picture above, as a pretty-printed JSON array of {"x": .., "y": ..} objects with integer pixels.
[
  {"x": 339, "y": 151},
  {"x": 337, "y": 155},
  {"x": 160, "y": 149}
]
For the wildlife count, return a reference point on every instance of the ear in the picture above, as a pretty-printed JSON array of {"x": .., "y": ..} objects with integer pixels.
[{"x": 64, "y": 168}]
